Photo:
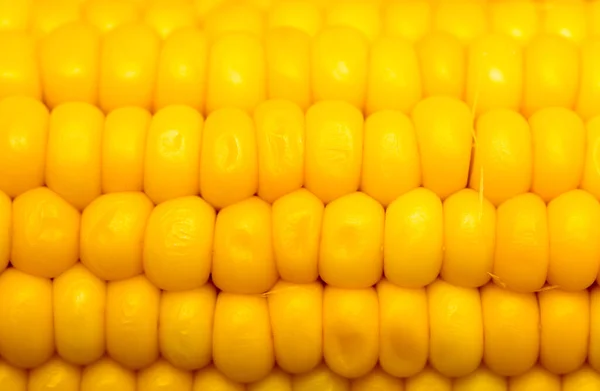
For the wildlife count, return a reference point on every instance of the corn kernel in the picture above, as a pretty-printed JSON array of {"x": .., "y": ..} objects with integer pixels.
[
  {"x": 565, "y": 319},
  {"x": 236, "y": 73},
  {"x": 106, "y": 15},
  {"x": 362, "y": 15},
  {"x": 350, "y": 330},
  {"x": 79, "y": 306},
  {"x": 482, "y": 379},
  {"x": 107, "y": 375},
  {"x": 443, "y": 65},
  {"x": 320, "y": 378},
  {"x": 409, "y": 20},
  {"x": 511, "y": 323},
  {"x": 536, "y": 379},
  {"x": 132, "y": 312},
  {"x": 466, "y": 20},
  {"x": 186, "y": 327},
  {"x": 182, "y": 66},
  {"x": 73, "y": 166},
  {"x": 234, "y": 18},
  {"x": 243, "y": 259},
  {"x": 456, "y": 329},
  {"x": 394, "y": 76},
  {"x": 19, "y": 72},
  {"x": 24, "y": 124},
  {"x": 26, "y": 330},
  {"x": 593, "y": 356},
  {"x": 288, "y": 56},
  {"x": 565, "y": 18},
  {"x": 584, "y": 379},
  {"x": 552, "y": 71},
  {"x": 168, "y": 16},
  {"x": 162, "y": 376},
  {"x": 469, "y": 239},
  {"x": 112, "y": 232},
  {"x": 351, "y": 253},
  {"x": 339, "y": 65},
  {"x": 377, "y": 379},
  {"x": 123, "y": 149},
  {"x": 296, "y": 312},
  {"x": 45, "y": 231},
  {"x": 12, "y": 378},
  {"x": 242, "y": 343},
  {"x": 48, "y": 15},
  {"x": 444, "y": 130},
  {"x": 228, "y": 160},
  {"x": 428, "y": 380},
  {"x": 558, "y": 137},
  {"x": 172, "y": 160},
  {"x": 297, "y": 220},
  {"x": 69, "y": 58},
  {"x": 277, "y": 380},
  {"x": 300, "y": 15},
  {"x": 519, "y": 20},
  {"x": 589, "y": 83},
  {"x": 15, "y": 16},
  {"x": 210, "y": 378},
  {"x": 55, "y": 374},
  {"x": 403, "y": 346},
  {"x": 128, "y": 66},
  {"x": 280, "y": 148},
  {"x": 334, "y": 149},
  {"x": 590, "y": 181}
]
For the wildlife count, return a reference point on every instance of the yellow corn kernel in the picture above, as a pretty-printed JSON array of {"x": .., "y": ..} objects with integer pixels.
[
  {"x": 590, "y": 180},
  {"x": 128, "y": 66},
  {"x": 186, "y": 326},
  {"x": 409, "y": 20},
  {"x": 502, "y": 156},
  {"x": 296, "y": 312},
  {"x": 334, "y": 149},
  {"x": 48, "y": 15},
  {"x": 456, "y": 328},
  {"x": 511, "y": 323},
  {"x": 19, "y": 72},
  {"x": 394, "y": 76},
  {"x": 573, "y": 227},
  {"x": 112, "y": 232},
  {"x": 6, "y": 224},
  {"x": 277, "y": 380},
  {"x": 234, "y": 18},
  {"x": 107, "y": 375},
  {"x": 444, "y": 130},
  {"x": 339, "y": 65},
  {"x": 242, "y": 343},
  {"x": 300, "y": 15},
  {"x": 565, "y": 18},
  {"x": 73, "y": 165},
  {"x": 297, "y": 220},
  {"x": 466, "y": 20},
  {"x": 536, "y": 379},
  {"x": 229, "y": 158},
  {"x": 79, "y": 305},
  {"x": 45, "y": 233},
  {"x": 589, "y": 84},
  {"x": 443, "y": 65},
  {"x": 12, "y": 378},
  {"x": 391, "y": 165},
  {"x": 350, "y": 330},
  {"x": 55, "y": 374},
  {"x": 178, "y": 244},
  {"x": 413, "y": 239},
  {"x": 26, "y": 330},
  {"x": 210, "y": 378},
  {"x": 583, "y": 379},
  {"x": 280, "y": 139},
  {"x": 181, "y": 74},
  {"x": 236, "y": 73},
  {"x": 24, "y": 124},
  {"x": 558, "y": 137},
  {"x": 15, "y": 16},
  {"x": 364, "y": 16},
  {"x": 106, "y": 15},
  {"x": 351, "y": 253},
  {"x": 552, "y": 71},
  {"x": 469, "y": 239},
  {"x": 593, "y": 356},
  {"x": 565, "y": 320},
  {"x": 482, "y": 379},
  {"x": 132, "y": 312},
  {"x": 320, "y": 378},
  {"x": 69, "y": 58},
  {"x": 123, "y": 149},
  {"x": 403, "y": 346},
  {"x": 377, "y": 380},
  {"x": 168, "y": 16},
  {"x": 172, "y": 159},
  {"x": 243, "y": 259},
  {"x": 287, "y": 52},
  {"x": 519, "y": 20},
  {"x": 428, "y": 380},
  {"x": 162, "y": 376}
]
